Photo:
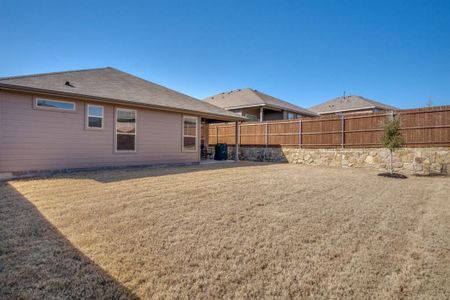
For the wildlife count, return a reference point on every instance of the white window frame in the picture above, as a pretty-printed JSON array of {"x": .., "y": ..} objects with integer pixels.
[
  {"x": 88, "y": 115},
  {"x": 183, "y": 135},
  {"x": 36, "y": 106},
  {"x": 135, "y": 130}
]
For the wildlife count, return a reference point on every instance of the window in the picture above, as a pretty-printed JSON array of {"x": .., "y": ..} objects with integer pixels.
[
  {"x": 290, "y": 116},
  {"x": 94, "y": 116},
  {"x": 190, "y": 131},
  {"x": 251, "y": 117},
  {"x": 125, "y": 130},
  {"x": 54, "y": 104}
]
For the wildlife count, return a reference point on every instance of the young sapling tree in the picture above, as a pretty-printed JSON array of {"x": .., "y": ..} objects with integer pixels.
[{"x": 392, "y": 138}]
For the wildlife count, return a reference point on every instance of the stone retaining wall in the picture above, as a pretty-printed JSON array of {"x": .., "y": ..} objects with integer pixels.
[{"x": 407, "y": 160}]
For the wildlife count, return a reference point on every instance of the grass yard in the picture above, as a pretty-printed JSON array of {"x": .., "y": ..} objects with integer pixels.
[{"x": 244, "y": 230}]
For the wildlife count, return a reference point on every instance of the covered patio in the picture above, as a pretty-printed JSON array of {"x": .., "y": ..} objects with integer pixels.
[{"x": 206, "y": 156}]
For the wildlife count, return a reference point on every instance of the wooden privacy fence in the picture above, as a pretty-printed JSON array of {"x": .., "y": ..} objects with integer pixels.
[{"x": 424, "y": 127}]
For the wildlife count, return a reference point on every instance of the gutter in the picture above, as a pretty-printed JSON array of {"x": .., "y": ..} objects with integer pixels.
[{"x": 8, "y": 87}]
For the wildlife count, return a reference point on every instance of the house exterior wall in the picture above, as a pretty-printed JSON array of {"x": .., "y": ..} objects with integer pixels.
[{"x": 34, "y": 139}]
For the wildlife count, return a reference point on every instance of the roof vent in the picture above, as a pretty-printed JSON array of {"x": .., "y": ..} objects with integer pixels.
[{"x": 69, "y": 84}]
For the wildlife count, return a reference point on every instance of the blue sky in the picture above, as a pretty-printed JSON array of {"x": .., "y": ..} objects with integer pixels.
[{"x": 305, "y": 52}]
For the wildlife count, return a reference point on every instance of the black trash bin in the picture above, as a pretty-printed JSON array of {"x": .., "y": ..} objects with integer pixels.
[{"x": 221, "y": 152}]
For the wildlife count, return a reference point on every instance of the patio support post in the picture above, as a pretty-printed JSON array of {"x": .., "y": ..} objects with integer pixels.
[
  {"x": 261, "y": 114},
  {"x": 237, "y": 140},
  {"x": 206, "y": 133}
]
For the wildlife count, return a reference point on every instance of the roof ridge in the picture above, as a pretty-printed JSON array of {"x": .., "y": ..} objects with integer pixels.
[
  {"x": 370, "y": 103},
  {"x": 223, "y": 93},
  {"x": 258, "y": 94},
  {"x": 53, "y": 73},
  {"x": 281, "y": 100},
  {"x": 375, "y": 102}
]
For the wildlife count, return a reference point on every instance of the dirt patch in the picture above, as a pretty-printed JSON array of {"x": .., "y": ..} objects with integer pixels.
[{"x": 248, "y": 230}]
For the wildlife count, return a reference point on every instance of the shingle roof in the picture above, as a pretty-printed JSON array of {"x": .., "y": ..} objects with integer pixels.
[
  {"x": 114, "y": 85},
  {"x": 349, "y": 103},
  {"x": 249, "y": 97}
]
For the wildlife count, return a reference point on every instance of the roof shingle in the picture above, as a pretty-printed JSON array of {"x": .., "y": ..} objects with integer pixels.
[
  {"x": 249, "y": 97},
  {"x": 114, "y": 85},
  {"x": 349, "y": 103}
]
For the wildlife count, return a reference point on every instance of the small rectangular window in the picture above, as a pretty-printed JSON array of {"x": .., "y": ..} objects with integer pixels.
[
  {"x": 125, "y": 130},
  {"x": 190, "y": 132},
  {"x": 54, "y": 104},
  {"x": 251, "y": 117},
  {"x": 290, "y": 116},
  {"x": 94, "y": 116}
]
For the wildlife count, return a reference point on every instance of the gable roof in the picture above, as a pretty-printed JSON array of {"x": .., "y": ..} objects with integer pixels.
[
  {"x": 243, "y": 98},
  {"x": 112, "y": 85},
  {"x": 349, "y": 103}
]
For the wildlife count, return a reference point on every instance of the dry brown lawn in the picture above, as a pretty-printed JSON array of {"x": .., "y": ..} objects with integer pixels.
[{"x": 244, "y": 230}]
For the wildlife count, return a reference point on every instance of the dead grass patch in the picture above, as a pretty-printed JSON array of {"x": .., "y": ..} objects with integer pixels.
[{"x": 247, "y": 231}]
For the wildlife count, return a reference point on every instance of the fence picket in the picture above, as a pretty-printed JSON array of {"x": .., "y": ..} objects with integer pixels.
[{"x": 424, "y": 127}]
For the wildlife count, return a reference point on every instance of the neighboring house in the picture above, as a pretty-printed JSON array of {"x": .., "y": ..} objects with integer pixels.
[
  {"x": 350, "y": 104},
  {"x": 257, "y": 106},
  {"x": 97, "y": 118}
]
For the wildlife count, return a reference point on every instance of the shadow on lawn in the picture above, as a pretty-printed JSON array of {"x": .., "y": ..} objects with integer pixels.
[
  {"x": 38, "y": 262},
  {"x": 128, "y": 173}
]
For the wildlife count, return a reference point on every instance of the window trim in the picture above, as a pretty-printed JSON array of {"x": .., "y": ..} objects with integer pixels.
[
  {"x": 87, "y": 117},
  {"x": 135, "y": 130},
  {"x": 183, "y": 135},
  {"x": 36, "y": 106}
]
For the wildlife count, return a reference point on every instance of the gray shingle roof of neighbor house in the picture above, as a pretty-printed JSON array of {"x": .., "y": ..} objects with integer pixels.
[
  {"x": 112, "y": 85},
  {"x": 349, "y": 103},
  {"x": 243, "y": 98}
]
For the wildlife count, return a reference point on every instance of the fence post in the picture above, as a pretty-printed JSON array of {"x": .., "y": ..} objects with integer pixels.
[
  {"x": 237, "y": 141},
  {"x": 266, "y": 138},
  {"x": 300, "y": 125},
  {"x": 343, "y": 131},
  {"x": 217, "y": 134}
]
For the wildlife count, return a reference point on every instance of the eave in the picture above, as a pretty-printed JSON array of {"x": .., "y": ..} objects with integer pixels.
[{"x": 9, "y": 87}]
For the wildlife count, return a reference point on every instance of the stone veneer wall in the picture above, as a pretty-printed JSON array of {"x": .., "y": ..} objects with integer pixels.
[{"x": 407, "y": 160}]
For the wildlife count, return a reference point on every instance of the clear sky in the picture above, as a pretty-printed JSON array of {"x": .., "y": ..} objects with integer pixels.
[{"x": 304, "y": 52}]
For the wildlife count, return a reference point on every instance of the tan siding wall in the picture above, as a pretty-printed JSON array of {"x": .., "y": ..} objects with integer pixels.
[{"x": 33, "y": 139}]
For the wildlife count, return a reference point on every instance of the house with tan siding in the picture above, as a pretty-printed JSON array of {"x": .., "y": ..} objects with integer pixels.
[
  {"x": 98, "y": 118},
  {"x": 258, "y": 106}
]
